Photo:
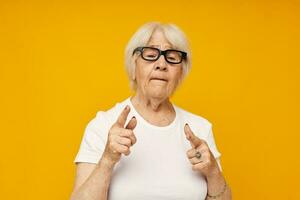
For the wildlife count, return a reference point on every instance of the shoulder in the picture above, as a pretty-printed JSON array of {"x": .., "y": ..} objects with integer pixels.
[
  {"x": 193, "y": 118},
  {"x": 201, "y": 127},
  {"x": 95, "y": 134},
  {"x": 104, "y": 119}
]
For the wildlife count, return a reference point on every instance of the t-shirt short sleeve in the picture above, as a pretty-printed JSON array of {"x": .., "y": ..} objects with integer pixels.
[
  {"x": 94, "y": 140},
  {"x": 213, "y": 147},
  {"x": 211, "y": 143}
]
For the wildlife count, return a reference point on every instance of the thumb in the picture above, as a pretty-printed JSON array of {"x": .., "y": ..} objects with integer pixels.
[
  {"x": 132, "y": 123},
  {"x": 194, "y": 140}
]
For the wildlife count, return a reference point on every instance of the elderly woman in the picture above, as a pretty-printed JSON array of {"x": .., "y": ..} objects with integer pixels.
[{"x": 145, "y": 147}]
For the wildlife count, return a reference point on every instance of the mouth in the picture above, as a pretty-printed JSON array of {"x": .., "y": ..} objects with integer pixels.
[{"x": 159, "y": 79}]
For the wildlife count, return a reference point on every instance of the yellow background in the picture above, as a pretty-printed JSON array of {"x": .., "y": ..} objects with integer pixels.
[{"x": 62, "y": 61}]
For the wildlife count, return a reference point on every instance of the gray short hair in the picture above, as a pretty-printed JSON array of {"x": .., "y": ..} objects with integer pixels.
[{"x": 142, "y": 36}]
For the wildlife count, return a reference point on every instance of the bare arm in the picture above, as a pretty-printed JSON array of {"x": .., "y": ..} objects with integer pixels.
[
  {"x": 215, "y": 185},
  {"x": 92, "y": 180},
  {"x": 208, "y": 166}
]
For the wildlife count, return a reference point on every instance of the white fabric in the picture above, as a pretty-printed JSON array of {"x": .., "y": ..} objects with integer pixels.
[{"x": 157, "y": 167}]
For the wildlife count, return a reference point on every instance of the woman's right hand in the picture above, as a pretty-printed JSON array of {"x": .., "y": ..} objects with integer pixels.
[{"x": 120, "y": 138}]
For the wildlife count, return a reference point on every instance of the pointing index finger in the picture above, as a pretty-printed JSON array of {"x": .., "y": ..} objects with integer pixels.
[
  {"x": 123, "y": 116},
  {"x": 194, "y": 140}
]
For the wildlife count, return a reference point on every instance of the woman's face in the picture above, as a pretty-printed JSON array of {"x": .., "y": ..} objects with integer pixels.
[{"x": 157, "y": 79}]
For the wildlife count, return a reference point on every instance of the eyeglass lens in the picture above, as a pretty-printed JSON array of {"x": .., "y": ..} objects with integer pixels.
[{"x": 152, "y": 54}]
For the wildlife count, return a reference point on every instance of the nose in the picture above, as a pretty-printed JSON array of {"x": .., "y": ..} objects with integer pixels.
[{"x": 161, "y": 64}]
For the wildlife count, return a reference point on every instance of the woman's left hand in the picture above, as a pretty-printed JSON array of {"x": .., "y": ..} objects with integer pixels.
[{"x": 205, "y": 162}]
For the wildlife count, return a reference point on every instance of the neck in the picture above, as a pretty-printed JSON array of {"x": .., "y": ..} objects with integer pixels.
[
  {"x": 151, "y": 103},
  {"x": 157, "y": 111}
]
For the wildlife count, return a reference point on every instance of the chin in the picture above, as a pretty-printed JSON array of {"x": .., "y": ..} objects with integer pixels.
[{"x": 158, "y": 94}]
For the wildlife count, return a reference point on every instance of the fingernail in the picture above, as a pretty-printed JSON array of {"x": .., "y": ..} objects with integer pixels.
[
  {"x": 186, "y": 124},
  {"x": 126, "y": 108}
]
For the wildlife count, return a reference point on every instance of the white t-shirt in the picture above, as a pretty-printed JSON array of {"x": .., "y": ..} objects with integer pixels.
[{"x": 157, "y": 167}]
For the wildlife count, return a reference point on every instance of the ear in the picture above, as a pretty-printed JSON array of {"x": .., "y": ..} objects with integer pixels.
[
  {"x": 133, "y": 75},
  {"x": 133, "y": 70}
]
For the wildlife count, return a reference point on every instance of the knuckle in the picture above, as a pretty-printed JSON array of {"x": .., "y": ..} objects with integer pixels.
[
  {"x": 125, "y": 149},
  {"x": 125, "y": 132},
  {"x": 196, "y": 161},
  {"x": 129, "y": 133},
  {"x": 120, "y": 131},
  {"x": 202, "y": 148},
  {"x": 130, "y": 143},
  {"x": 127, "y": 141},
  {"x": 127, "y": 153},
  {"x": 133, "y": 141}
]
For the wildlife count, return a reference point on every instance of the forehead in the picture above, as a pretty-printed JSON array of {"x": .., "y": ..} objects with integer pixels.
[{"x": 158, "y": 39}]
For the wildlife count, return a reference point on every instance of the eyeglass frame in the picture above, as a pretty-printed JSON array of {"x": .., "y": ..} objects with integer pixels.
[{"x": 161, "y": 52}]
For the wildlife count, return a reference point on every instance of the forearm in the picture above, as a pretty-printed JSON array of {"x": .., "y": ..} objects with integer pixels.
[
  {"x": 215, "y": 184},
  {"x": 96, "y": 186}
]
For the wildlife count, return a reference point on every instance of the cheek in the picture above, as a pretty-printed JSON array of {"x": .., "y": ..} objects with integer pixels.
[
  {"x": 142, "y": 71},
  {"x": 176, "y": 75}
]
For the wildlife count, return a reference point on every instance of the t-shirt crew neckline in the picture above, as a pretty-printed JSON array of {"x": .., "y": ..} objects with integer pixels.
[{"x": 142, "y": 120}]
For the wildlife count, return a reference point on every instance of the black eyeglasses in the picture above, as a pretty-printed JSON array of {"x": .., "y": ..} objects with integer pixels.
[{"x": 152, "y": 54}]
